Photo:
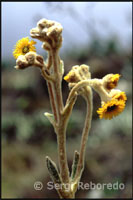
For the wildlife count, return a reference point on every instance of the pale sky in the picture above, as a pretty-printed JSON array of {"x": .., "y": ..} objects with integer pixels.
[{"x": 105, "y": 18}]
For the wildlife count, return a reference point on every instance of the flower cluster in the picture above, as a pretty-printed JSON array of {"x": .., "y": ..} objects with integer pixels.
[
  {"x": 112, "y": 100},
  {"x": 116, "y": 104},
  {"x": 25, "y": 53}
]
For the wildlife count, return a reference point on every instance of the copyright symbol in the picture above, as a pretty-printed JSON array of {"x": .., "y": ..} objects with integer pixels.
[{"x": 38, "y": 185}]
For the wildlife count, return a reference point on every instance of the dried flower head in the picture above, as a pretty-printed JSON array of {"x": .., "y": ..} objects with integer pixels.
[
  {"x": 71, "y": 77},
  {"x": 118, "y": 94},
  {"x": 110, "y": 81},
  {"x": 48, "y": 32},
  {"x": 77, "y": 73},
  {"x": 111, "y": 109},
  {"x": 23, "y": 46},
  {"x": 29, "y": 59}
]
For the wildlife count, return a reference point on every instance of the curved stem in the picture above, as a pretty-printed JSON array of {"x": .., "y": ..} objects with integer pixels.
[
  {"x": 46, "y": 76},
  {"x": 95, "y": 84},
  {"x": 78, "y": 86},
  {"x": 85, "y": 133}
]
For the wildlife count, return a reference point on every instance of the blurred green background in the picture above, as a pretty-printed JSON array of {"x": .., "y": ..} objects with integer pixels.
[{"x": 27, "y": 136}]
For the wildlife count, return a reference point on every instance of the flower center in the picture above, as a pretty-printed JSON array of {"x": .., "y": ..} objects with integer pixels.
[
  {"x": 25, "y": 49},
  {"x": 111, "y": 108}
]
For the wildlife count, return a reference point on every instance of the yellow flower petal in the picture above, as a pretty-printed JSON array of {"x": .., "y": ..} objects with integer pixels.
[
  {"x": 111, "y": 109},
  {"x": 120, "y": 96},
  {"x": 70, "y": 77},
  {"x": 23, "y": 46},
  {"x": 113, "y": 81}
]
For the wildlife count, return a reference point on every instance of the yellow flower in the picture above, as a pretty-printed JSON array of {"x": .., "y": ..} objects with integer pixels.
[
  {"x": 111, "y": 109},
  {"x": 23, "y": 46},
  {"x": 112, "y": 83},
  {"x": 120, "y": 96}
]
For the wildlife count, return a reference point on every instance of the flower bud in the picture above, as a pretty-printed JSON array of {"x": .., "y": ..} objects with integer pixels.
[
  {"x": 48, "y": 31},
  {"x": 29, "y": 59},
  {"x": 118, "y": 94},
  {"x": 78, "y": 73},
  {"x": 21, "y": 62},
  {"x": 110, "y": 81}
]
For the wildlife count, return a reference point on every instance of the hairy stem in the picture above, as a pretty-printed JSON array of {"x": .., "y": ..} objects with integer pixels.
[
  {"x": 46, "y": 76},
  {"x": 49, "y": 64},
  {"x": 61, "y": 123},
  {"x": 78, "y": 86},
  {"x": 53, "y": 105},
  {"x": 57, "y": 83},
  {"x": 85, "y": 133},
  {"x": 61, "y": 139}
]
